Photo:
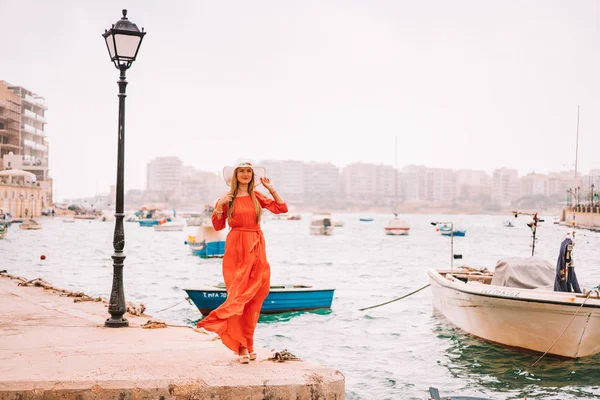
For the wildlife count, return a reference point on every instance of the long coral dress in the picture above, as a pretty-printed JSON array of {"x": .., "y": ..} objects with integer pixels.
[{"x": 246, "y": 272}]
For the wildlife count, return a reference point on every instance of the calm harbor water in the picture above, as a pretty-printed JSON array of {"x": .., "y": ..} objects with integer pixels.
[{"x": 392, "y": 352}]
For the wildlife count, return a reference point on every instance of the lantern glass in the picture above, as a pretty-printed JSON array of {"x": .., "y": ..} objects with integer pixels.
[
  {"x": 126, "y": 46},
  {"x": 111, "y": 46}
]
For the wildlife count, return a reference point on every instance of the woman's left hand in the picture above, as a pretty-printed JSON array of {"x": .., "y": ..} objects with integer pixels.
[{"x": 267, "y": 183}]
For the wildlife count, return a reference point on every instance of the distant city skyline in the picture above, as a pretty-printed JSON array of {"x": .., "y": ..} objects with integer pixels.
[
  {"x": 218, "y": 173},
  {"x": 463, "y": 85}
]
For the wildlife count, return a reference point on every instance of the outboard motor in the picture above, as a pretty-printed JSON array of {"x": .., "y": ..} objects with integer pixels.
[{"x": 566, "y": 279}]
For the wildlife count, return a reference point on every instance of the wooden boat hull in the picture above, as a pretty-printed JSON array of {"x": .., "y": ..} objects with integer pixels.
[
  {"x": 520, "y": 318},
  {"x": 278, "y": 301}
]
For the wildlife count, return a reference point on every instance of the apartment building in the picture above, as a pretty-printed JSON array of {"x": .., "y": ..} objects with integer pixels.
[
  {"x": 473, "y": 186},
  {"x": 201, "y": 187},
  {"x": 322, "y": 185},
  {"x": 164, "y": 176},
  {"x": 25, "y": 111},
  {"x": 534, "y": 184},
  {"x": 10, "y": 122},
  {"x": 505, "y": 186},
  {"x": 288, "y": 178},
  {"x": 359, "y": 183}
]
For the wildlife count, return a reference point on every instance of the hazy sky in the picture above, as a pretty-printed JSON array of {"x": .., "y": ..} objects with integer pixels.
[{"x": 463, "y": 84}]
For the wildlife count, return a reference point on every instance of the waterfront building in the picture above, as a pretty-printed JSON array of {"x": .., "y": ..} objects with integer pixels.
[
  {"x": 23, "y": 117},
  {"x": 20, "y": 193}
]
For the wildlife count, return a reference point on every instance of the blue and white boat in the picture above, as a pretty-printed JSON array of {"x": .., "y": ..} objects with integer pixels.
[
  {"x": 207, "y": 243},
  {"x": 281, "y": 299},
  {"x": 366, "y": 219},
  {"x": 445, "y": 230}
]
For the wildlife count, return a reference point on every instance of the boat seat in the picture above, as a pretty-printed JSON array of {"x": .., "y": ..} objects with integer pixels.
[{"x": 485, "y": 279}]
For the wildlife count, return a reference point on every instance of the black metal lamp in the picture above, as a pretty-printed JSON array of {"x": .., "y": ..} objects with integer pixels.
[{"x": 123, "y": 41}]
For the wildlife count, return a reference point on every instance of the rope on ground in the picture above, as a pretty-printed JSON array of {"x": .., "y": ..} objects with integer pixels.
[
  {"x": 391, "y": 301},
  {"x": 131, "y": 308},
  {"x": 283, "y": 355},
  {"x": 595, "y": 289}
]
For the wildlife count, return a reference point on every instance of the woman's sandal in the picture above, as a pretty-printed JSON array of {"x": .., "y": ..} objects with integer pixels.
[
  {"x": 252, "y": 356},
  {"x": 244, "y": 358}
]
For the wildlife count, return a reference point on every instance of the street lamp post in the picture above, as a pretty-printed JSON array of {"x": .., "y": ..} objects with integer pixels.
[{"x": 123, "y": 41}]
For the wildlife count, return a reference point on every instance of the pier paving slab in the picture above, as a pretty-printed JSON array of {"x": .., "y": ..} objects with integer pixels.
[{"x": 53, "y": 348}]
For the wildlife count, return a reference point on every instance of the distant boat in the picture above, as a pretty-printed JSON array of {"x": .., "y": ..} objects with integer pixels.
[
  {"x": 84, "y": 216},
  {"x": 366, "y": 219},
  {"x": 30, "y": 224},
  {"x": 207, "y": 243},
  {"x": 455, "y": 232},
  {"x": 321, "y": 224},
  {"x": 69, "y": 220},
  {"x": 338, "y": 223},
  {"x": 446, "y": 230},
  {"x": 281, "y": 299},
  {"x": 397, "y": 227},
  {"x": 508, "y": 224},
  {"x": 176, "y": 224}
]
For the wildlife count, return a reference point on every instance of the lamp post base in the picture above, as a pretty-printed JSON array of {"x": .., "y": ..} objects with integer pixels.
[{"x": 116, "y": 323}]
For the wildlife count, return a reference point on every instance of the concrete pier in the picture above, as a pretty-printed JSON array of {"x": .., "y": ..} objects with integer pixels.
[{"x": 53, "y": 348}]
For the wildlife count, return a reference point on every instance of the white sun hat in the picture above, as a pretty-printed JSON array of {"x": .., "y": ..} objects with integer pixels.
[{"x": 259, "y": 172}]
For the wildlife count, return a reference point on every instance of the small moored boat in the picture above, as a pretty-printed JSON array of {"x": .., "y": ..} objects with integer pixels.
[
  {"x": 207, "y": 243},
  {"x": 366, "y": 219},
  {"x": 321, "y": 224},
  {"x": 397, "y": 227},
  {"x": 281, "y": 299}
]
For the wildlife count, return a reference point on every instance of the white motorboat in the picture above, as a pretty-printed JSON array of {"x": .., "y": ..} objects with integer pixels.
[
  {"x": 510, "y": 309},
  {"x": 321, "y": 224}
]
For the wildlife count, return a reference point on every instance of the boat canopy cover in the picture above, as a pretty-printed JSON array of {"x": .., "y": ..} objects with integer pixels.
[{"x": 524, "y": 272}]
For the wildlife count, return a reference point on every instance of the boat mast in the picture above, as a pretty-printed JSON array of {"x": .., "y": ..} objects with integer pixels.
[
  {"x": 576, "y": 146},
  {"x": 575, "y": 191},
  {"x": 396, "y": 176}
]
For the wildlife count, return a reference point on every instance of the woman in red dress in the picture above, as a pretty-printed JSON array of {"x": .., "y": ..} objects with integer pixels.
[{"x": 245, "y": 268}]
